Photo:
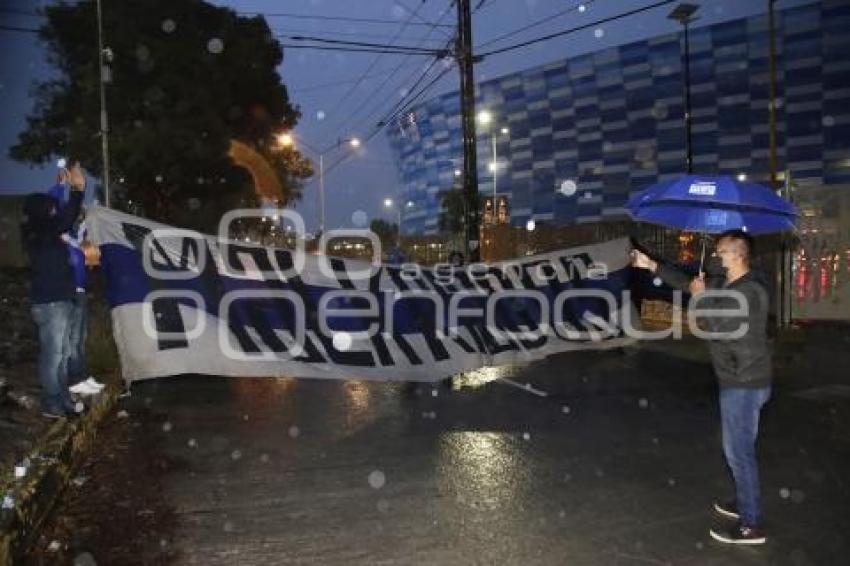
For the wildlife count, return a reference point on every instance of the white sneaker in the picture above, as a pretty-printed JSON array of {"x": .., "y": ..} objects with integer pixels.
[
  {"x": 84, "y": 389},
  {"x": 94, "y": 384}
]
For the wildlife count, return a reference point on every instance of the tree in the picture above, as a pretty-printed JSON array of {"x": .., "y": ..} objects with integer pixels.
[
  {"x": 186, "y": 77},
  {"x": 387, "y": 232}
]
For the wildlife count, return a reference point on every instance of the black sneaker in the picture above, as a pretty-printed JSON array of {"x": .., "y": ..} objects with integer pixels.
[
  {"x": 739, "y": 534},
  {"x": 727, "y": 509}
]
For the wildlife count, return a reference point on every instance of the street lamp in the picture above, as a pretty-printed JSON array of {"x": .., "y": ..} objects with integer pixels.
[
  {"x": 485, "y": 118},
  {"x": 683, "y": 13},
  {"x": 389, "y": 203},
  {"x": 287, "y": 139}
]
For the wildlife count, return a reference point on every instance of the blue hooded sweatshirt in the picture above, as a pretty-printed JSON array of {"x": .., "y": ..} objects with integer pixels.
[{"x": 76, "y": 234}]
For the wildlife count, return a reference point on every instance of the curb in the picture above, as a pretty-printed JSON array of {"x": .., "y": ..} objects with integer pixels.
[{"x": 28, "y": 501}]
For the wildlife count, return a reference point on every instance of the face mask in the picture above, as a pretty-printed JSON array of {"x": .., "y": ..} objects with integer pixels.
[{"x": 714, "y": 266}]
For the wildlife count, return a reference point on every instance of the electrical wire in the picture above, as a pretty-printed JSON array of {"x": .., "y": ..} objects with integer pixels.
[
  {"x": 363, "y": 44},
  {"x": 536, "y": 23},
  {"x": 575, "y": 29},
  {"x": 333, "y": 18},
  {"x": 377, "y": 108}
]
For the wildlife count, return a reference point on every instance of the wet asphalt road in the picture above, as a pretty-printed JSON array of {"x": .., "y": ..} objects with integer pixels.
[{"x": 618, "y": 465}]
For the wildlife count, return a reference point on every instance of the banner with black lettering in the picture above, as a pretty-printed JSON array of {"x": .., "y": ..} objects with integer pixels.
[{"x": 183, "y": 302}]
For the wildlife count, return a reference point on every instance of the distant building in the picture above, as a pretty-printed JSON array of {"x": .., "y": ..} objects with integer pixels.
[{"x": 611, "y": 122}]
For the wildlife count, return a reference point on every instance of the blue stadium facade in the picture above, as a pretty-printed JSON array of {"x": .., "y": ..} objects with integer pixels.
[{"x": 612, "y": 121}]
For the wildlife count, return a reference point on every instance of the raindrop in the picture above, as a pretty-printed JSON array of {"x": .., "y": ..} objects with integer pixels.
[
  {"x": 562, "y": 514},
  {"x": 582, "y": 8},
  {"x": 143, "y": 53},
  {"x": 166, "y": 427},
  {"x": 655, "y": 440},
  {"x": 671, "y": 482},
  {"x": 599, "y": 473},
  {"x": 84, "y": 559},
  {"x": 320, "y": 115},
  {"x": 228, "y": 526},
  {"x": 828, "y": 121},
  {"x": 403, "y": 92},
  {"x": 568, "y": 188},
  {"x": 784, "y": 493},
  {"x": 383, "y": 506},
  {"x": 215, "y": 45},
  {"x": 168, "y": 26},
  {"x": 377, "y": 479},
  {"x": 342, "y": 341},
  {"x": 567, "y": 477},
  {"x": 158, "y": 178},
  {"x": 192, "y": 443},
  {"x": 244, "y": 417},
  {"x": 656, "y": 281},
  {"x": 643, "y": 403},
  {"x": 434, "y": 393},
  {"x": 699, "y": 546},
  {"x": 599, "y": 33},
  {"x": 797, "y": 496},
  {"x": 264, "y": 458},
  {"x": 526, "y": 436},
  {"x": 398, "y": 12},
  {"x": 194, "y": 203},
  {"x": 359, "y": 218},
  {"x": 294, "y": 431},
  {"x": 236, "y": 454},
  {"x": 660, "y": 111},
  {"x": 565, "y": 409}
]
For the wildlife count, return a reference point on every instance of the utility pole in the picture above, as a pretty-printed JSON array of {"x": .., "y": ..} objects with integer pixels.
[
  {"x": 104, "y": 122},
  {"x": 465, "y": 62}
]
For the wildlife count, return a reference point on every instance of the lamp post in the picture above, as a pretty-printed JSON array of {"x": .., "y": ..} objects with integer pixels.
[
  {"x": 485, "y": 118},
  {"x": 104, "y": 57},
  {"x": 390, "y": 203},
  {"x": 683, "y": 13},
  {"x": 287, "y": 139}
]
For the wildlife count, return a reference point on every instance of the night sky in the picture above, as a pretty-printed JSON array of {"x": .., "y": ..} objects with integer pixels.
[{"x": 334, "y": 102}]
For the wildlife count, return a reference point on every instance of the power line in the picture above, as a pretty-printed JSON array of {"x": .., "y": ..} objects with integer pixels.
[
  {"x": 388, "y": 120},
  {"x": 356, "y": 49},
  {"x": 329, "y": 84},
  {"x": 536, "y": 23},
  {"x": 287, "y": 30},
  {"x": 412, "y": 49},
  {"x": 433, "y": 25},
  {"x": 575, "y": 29},
  {"x": 22, "y": 30},
  {"x": 374, "y": 62},
  {"x": 332, "y": 18},
  {"x": 378, "y": 89}
]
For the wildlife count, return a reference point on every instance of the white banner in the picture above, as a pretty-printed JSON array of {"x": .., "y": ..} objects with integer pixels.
[{"x": 183, "y": 302}]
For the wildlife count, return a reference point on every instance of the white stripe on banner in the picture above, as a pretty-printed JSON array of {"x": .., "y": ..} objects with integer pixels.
[{"x": 184, "y": 302}]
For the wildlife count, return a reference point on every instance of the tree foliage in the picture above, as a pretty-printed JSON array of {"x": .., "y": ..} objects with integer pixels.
[
  {"x": 387, "y": 232},
  {"x": 186, "y": 77}
]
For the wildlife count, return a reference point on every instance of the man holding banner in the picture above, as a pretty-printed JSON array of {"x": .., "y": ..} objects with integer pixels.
[{"x": 742, "y": 362}]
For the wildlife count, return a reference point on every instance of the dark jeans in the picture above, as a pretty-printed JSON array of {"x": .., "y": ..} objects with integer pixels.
[
  {"x": 77, "y": 370},
  {"x": 53, "y": 320},
  {"x": 739, "y": 414}
]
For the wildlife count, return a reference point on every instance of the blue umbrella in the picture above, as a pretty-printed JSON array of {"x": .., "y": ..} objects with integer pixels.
[{"x": 713, "y": 204}]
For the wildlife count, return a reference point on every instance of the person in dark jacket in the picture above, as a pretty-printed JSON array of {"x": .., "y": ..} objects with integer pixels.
[
  {"x": 79, "y": 380},
  {"x": 741, "y": 357},
  {"x": 52, "y": 289}
]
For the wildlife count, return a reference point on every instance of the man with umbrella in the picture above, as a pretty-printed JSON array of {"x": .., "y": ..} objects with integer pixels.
[
  {"x": 742, "y": 363},
  {"x": 739, "y": 347}
]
